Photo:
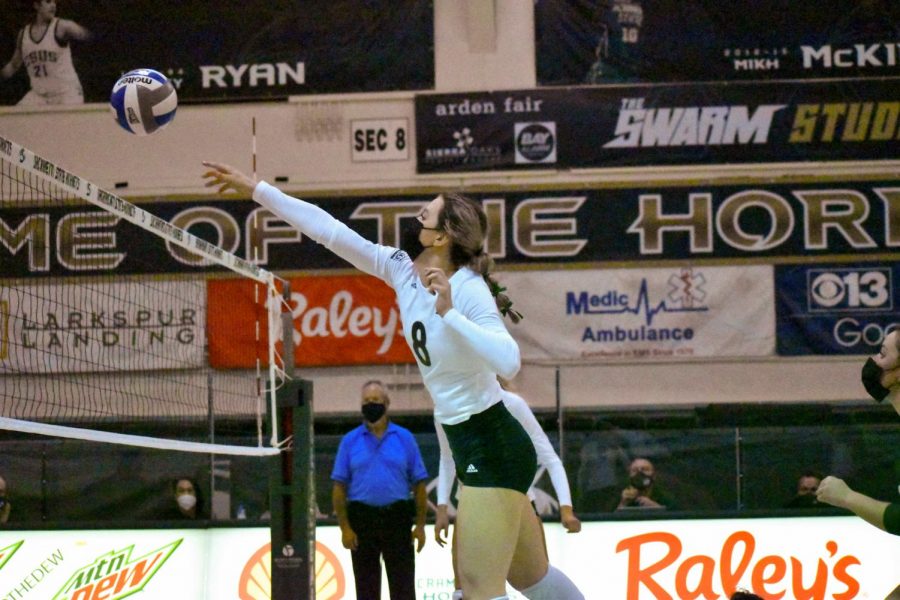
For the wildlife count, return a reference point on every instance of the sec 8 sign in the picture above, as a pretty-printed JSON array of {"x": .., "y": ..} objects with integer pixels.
[{"x": 379, "y": 139}]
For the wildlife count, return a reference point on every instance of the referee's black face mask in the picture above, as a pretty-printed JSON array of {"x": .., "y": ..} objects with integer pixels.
[{"x": 372, "y": 411}]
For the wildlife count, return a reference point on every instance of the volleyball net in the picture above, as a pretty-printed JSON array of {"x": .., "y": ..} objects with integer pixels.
[{"x": 96, "y": 344}]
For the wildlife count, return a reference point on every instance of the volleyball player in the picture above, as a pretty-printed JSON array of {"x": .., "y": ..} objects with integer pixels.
[
  {"x": 43, "y": 47},
  {"x": 451, "y": 323},
  {"x": 563, "y": 588}
]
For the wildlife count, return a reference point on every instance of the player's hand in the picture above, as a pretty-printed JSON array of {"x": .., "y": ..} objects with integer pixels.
[
  {"x": 833, "y": 491},
  {"x": 226, "y": 177},
  {"x": 418, "y": 535},
  {"x": 441, "y": 525},
  {"x": 348, "y": 539},
  {"x": 437, "y": 283},
  {"x": 569, "y": 520}
]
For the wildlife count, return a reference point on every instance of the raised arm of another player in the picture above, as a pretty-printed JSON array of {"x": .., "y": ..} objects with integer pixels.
[
  {"x": 70, "y": 30},
  {"x": 446, "y": 474},
  {"x": 307, "y": 218},
  {"x": 546, "y": 456},
  {"x": 15, "y": 62},
  {"x": 882, "y": 515}
]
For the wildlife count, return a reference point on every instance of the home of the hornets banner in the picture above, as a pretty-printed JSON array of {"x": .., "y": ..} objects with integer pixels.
[{"x": 338, "y": 320}]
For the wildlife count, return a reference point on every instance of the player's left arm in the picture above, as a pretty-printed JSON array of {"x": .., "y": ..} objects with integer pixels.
[
  {"x": 476, "y": 319},
  {"x": 70, "y": 30}
]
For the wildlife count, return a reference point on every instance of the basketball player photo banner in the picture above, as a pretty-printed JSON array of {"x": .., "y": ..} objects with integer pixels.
[
  {"x": 72, "y": 52},
  {"x": 653, "y": 41}
]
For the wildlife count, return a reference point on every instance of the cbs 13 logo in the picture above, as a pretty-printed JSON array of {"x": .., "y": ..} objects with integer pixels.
[{"x": 849, "y": 289}]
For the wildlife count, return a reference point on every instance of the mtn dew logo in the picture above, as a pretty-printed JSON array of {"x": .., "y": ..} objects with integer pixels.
[
  {"x": 7, "y": 553},
  {"x": 115, "y": 575}
]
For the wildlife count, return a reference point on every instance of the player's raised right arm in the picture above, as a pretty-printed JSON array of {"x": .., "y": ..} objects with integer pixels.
[{"x": 307, "y": 218}]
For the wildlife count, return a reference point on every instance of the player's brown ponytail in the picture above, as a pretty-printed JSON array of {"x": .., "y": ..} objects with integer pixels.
[{"x": 466, "y": 223}]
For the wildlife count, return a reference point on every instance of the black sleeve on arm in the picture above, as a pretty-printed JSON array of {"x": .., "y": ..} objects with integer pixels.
[{"x": 892, "y": 518}]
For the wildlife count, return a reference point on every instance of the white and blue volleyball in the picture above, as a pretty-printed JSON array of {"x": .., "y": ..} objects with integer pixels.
[{"x": 143, "y": 101}]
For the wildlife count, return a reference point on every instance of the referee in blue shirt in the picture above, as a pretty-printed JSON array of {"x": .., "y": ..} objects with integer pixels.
[{"x": 377, "y": 465}]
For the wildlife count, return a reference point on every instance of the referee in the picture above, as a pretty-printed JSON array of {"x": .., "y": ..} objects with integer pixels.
[{"x": 377, "y": 465}]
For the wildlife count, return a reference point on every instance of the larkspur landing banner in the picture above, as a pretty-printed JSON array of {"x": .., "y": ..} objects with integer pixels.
[
  {"x": 761, "y": 222},
  {"x": 614, "y": 41},
  {"x": 232, "y": 50},
  {"x": 666, "y": 124}
]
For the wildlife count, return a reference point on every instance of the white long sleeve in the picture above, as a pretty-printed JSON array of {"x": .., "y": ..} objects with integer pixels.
[{"x": 446, "y": 467}]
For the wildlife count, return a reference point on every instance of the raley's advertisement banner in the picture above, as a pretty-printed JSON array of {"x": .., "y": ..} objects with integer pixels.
[
  {"x": 643, "y": 314},
  {"x": 836, "y": 309},
  {"x": 817, "y": 558},
  {"x": 624, "y": 225},
  {"x": 338, "y": 320},
  {"x": 615, "y": 41},
  {"x": 674, "y": 124},
  {"x": 227, "y": 50}
]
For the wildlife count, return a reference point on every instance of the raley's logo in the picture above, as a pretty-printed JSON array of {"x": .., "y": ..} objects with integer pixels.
[
  {"x": 701, "y": 576},
  {"x": 340, "y": 318},
  {"x": 114, "y": 575}
]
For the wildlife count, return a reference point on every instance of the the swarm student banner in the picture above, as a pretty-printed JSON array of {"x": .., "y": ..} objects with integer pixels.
[
  {"x": 761, "y": 222},
  {"x": 637, "y": 314},
  {"x": 836, "y": 308},
  {"x": 666, "y": 124},
  {"x": 72, "y": 52},
  {"x": 613, "y": 41}
]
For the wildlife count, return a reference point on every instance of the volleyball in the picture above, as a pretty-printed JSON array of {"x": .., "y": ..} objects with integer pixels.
[{"x": 143, "y": 101}]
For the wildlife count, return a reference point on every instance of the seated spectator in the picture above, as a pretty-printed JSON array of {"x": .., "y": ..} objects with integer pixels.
[
  {"x": 5, "y": 506},
  {"x": 744, "y": 595},
  {"x": 185, "y": 502},
  {"x": 806, "y": 491},
  {"x": 642, "y": 490}
]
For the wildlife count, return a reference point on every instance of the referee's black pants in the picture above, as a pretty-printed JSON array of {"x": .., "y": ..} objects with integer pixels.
[{"x": 383, "y": 531}]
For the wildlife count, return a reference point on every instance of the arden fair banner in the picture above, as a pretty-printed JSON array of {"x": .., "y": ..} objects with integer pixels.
[
  {"x": 338, "y": 320},
  {"x": 102, "y": 326},
  {"x": 828, "y": 309},
  {"x": 666, "y": 124},
  {"x": 643, "y": 314},
  {"x": 233, "y": 50},
  {"x": 814, "y": 558},
  {"x": 615, "y": 41},
  {"x": 758, "y": 223}
]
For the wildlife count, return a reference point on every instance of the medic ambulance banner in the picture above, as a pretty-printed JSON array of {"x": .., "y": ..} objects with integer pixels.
[
  {"x": 652, "y": 314},
  {"x": 338, "y": 320},
  {"x": 816, "y": 558},
  {"x": 836, "y": 309}
]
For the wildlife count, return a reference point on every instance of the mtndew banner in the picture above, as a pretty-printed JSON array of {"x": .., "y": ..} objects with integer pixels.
[
  {"x": 650, "y": 314},
  {"x": 809, "y": 557},
  {"x": 667, "y": 124},
  {"x": 614, "y": 41},
  {"x": 98, "y": 326},
  {"x": 338, "y": 320},
  {"x": 226, "y": 50}
]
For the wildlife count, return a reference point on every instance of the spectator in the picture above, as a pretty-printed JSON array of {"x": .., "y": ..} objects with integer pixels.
[
  {"x": 744, "y": 595},
  {"x": 186, "y": 496},
  {"x": 5, "y": 506},
  {"x": 806, "y": 491},
  {"x": 376, "y": 466},
  {"x": 642, "y": 490}
]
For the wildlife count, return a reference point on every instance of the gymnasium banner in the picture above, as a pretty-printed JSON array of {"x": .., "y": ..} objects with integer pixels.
[
  {"x": 571, "y": 227},
  {"x": 666, "y": 124},
  {"x": 614, "y": 41},
  {"x": 338, "y": 320},
  {"x": 643, "y": 314},
  {"x": 808, "y": 557},
  {"x": 222, "y": 51},
  {"x": 99, "y": 327},
  {"x": 836, "y": 308}
]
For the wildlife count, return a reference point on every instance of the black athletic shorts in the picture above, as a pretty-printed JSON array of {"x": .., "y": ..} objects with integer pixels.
[{"x": 492, "y": 449}]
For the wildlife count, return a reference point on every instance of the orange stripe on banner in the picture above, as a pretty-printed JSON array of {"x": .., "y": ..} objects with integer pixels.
[{"x": 338, "y": 320}]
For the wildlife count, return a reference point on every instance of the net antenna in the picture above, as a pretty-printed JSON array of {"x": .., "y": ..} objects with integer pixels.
[{"x": 90, "y": 353}]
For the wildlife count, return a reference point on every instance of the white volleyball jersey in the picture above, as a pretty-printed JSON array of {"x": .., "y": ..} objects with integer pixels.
[
  {"x": 459, "y": 354},
  {"x": 546, "y": 455},
  {"x": 48, "y": 62}
]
